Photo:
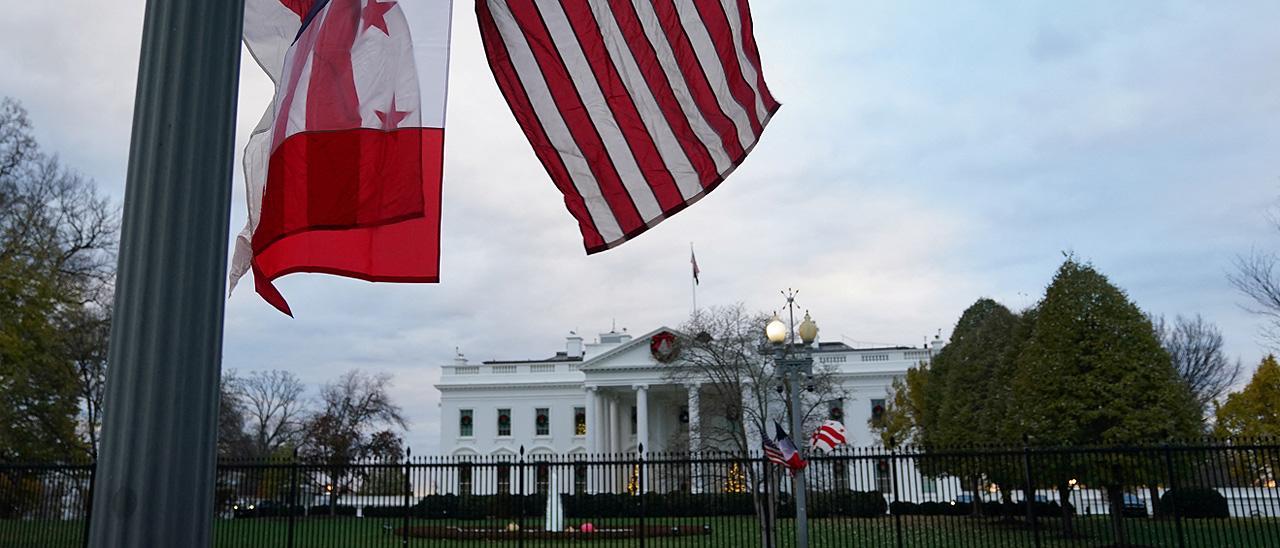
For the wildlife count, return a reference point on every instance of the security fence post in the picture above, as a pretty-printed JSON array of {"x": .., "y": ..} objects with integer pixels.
[
  {"x": 1030, "y": 490},
  {"x": 1173, "y": 500},
  {"x": 293, "y": 498},
  {"x": 408, "y": 494}
]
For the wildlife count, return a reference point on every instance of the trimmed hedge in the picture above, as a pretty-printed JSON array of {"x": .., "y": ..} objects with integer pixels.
[
  {"x": 339, "y": 510},
  {"x": 607, "y": 505},
  {"x": 989, "y": 508},
  {"x": 1194, "y": 502}
]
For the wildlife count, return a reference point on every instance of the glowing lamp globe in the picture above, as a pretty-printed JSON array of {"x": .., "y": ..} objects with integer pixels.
[
  {"x": 808, "y": 329},
  {"x": 775, "y": 330}
]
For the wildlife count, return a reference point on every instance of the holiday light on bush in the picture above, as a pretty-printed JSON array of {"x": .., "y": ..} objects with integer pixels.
[
  {"x": 736, "y": 482},
  {"x": 633, "y": 482}
]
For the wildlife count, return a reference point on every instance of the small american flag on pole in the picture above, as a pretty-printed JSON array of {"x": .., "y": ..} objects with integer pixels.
[{"x": 772, "y": 453}]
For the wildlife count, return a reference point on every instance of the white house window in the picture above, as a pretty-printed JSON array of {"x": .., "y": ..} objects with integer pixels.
[
  {"x": 542, "y": 478},
  {"x": 579, "y": 421},
  {"x": 542, "y": 421},
  {"x": 580, "y": 479},
  {"x": 464, "y": 478},
  {"x": 877, "y": 412},
  {"x": 633, "y": 420},
  {"x": 465, "y": 426},
  {"x": 884, "y": 483},
  {"x": 504, "y": 479},
  {"x": 504, "y": 422}
]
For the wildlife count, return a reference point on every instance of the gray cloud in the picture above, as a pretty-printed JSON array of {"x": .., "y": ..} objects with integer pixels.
[{"x": 924, "y": 156}]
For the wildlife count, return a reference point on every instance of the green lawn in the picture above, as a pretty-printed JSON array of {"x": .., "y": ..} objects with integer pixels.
[{"x": 727, "y": 532}]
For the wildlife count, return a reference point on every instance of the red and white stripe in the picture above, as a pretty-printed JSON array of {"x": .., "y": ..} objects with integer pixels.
[
  {"x": 772, "y": 453},
  {"x": 636, "y": 108},
  {"x": 343, "y": 171},
  {"x": 828, "y": 436}
]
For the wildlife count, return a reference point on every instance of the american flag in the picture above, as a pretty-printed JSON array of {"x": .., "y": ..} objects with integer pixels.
[
  {"x": 772, "y": 453},
  {"x": 636, "y": 109},
  {"x": 694, "y": 260}
]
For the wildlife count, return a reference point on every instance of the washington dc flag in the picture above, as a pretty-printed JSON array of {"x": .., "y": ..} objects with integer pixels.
[{"x": 343, "y": 171}]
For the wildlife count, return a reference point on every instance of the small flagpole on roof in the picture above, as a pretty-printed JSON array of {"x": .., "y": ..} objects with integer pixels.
[{"x": 693, "y": 284}]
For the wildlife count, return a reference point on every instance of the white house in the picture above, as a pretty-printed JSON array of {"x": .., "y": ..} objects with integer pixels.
[{"x": 614, "y": 393}]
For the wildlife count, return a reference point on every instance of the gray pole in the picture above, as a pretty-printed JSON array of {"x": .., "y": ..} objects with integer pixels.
[
  {"x": 802, "y": 513},
  {"x": 156, "y": 465}
]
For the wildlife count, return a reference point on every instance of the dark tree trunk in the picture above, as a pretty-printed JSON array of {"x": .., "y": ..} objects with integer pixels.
[
  {"x": 1064, "y": 499},
  {"x": 1006, "y": 506},
  {"x": 1115, "y": 499},
  {"x": 1154, "y": 493}
]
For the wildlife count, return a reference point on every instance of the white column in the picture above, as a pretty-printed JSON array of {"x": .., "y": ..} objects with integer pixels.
[
  {"x": 593, "y": 419},
  {"x": 695, "y": 419},
  {"x": 614, "y": 429},
  {"x": 642, "y": 416},
  {"x": 695, "y": 435}
]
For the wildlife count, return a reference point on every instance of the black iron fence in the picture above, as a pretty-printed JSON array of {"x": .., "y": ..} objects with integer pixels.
[{"x": 1218, "y": 494}]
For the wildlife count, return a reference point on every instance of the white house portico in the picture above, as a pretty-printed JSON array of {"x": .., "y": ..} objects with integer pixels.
[{"x": 615, "y": 394}]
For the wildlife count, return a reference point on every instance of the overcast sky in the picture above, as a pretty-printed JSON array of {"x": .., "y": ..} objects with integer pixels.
[{"x": 926, "y": 155}]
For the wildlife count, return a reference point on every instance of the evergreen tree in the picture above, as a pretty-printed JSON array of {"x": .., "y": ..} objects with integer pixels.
[
  {"x": 1093, "y": 372},
  {"x": 971, "y": 399}
]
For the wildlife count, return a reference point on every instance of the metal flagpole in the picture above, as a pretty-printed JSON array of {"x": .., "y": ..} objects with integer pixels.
[{"x": 155, "y": 472}]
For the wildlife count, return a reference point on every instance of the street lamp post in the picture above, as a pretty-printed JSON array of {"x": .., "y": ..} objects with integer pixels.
[{"x": 790, "y": 363}]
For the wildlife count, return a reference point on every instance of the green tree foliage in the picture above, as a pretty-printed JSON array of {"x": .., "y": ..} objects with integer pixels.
[
  {"x": 903, "y": 418},
  {"x": 57, "y": 239},
  {"x": 973, "y": 373},
  {"x": 1254, "y": 411},
  {"x": 1093, "y": 372}
]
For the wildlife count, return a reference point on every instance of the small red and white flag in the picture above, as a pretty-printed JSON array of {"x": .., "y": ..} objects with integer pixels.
[
  {"x": 343, "y": 171},
  {"x": 828, "y": 436}
]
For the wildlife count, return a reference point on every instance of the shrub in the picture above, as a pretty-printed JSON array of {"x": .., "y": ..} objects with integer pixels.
[
  {"x": 339, "y": 510},
  {"x": 383, "y": 512},
  {"x": 1194, "y": 502}
]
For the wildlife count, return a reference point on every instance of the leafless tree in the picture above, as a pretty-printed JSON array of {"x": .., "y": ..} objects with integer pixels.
[
  {"x": 721, "y": 352},
  {"x": 1256, "y": 276},
  {"x": 86, "y": 336},
  {"x": 233, "y": 441},
  {"x": 273, "y": 408},
  {"x": 57, "y": 259},
  {"x": 356, "y": 421},
  {"x": 1195, "y": 346}
]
